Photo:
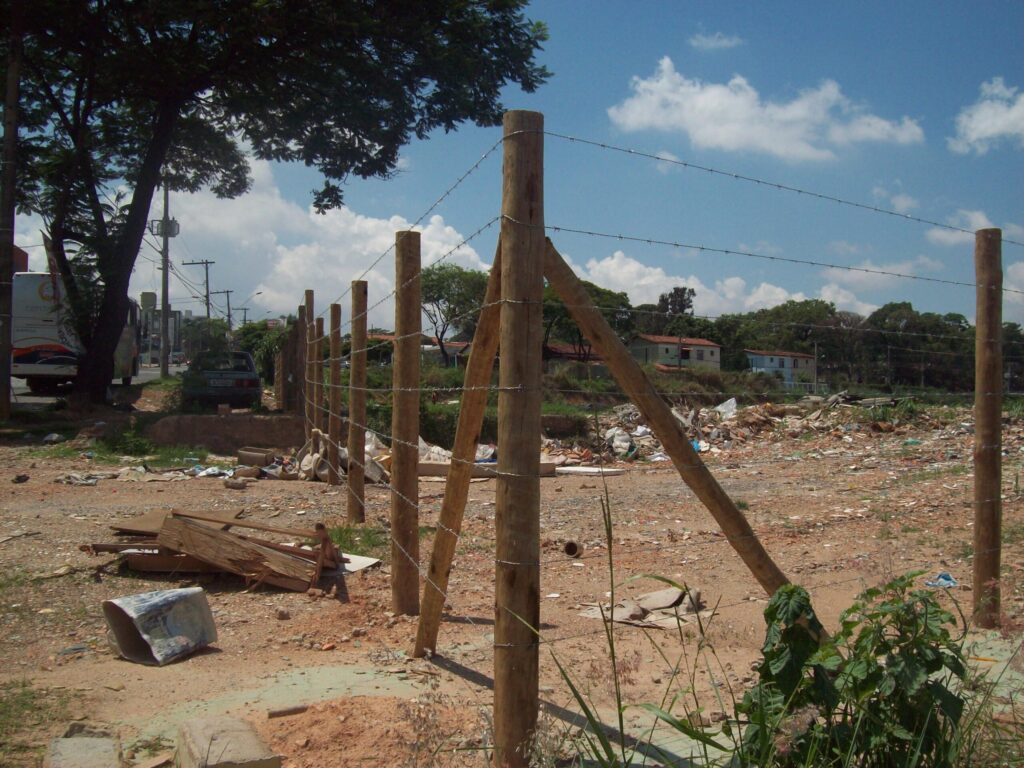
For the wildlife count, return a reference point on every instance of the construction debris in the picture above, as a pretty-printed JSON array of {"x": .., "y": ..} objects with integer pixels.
[
  {"x": 191, "y": 542},
  {"x": 663, "y": 609}
]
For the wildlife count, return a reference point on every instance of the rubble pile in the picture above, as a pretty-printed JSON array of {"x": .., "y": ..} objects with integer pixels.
[{"x": 622, "y": 434}]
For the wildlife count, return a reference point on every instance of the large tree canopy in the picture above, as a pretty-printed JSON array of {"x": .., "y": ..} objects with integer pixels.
[
  {"x": 452, "y": 298},
  {"x": 117, "y": 94}
]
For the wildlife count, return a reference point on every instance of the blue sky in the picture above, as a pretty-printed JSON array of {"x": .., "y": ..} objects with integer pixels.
[{"x": 913, "y": 107}]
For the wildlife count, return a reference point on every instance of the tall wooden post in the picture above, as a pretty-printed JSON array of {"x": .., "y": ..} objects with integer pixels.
[
  {"x": 318, "y": 377},
  {"x": 357, "y": 406},
  {"x": 334, "y": 399},
  {"x": 456, "y": 489},
  {"x": 299, "y": 364},
  {"x": 307, "y": 374},
  {"x": 517, "y": 503},
  {"x": 405, "y": 428},
  {"x": 988, "y": 443}
]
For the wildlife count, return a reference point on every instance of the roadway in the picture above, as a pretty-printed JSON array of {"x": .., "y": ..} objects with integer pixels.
[{"x": 20, "y": 393}]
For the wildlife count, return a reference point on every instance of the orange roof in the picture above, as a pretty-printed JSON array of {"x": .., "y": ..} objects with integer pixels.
[
  {"x": 777, "y": 353},
  {"x": 676, "y": 340}
]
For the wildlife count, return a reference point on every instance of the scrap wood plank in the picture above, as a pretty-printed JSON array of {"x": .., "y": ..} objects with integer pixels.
[
  {"x": 150, "y": 523},
  {"x": 236, "y": 555},
  {"x": 166, "y": 562},
  {"x": 213, "y": 518}
]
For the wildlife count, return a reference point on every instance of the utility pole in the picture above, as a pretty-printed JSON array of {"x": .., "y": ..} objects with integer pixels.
[
  {"x": 206, "y": 269},
  {"x": 245, "y": 315},
  {"x": 815, "y": 367},
  {"x": 166, "y": 228},
  {"x": 227, "y": 294},
  {"x": 7, "y": 201}
]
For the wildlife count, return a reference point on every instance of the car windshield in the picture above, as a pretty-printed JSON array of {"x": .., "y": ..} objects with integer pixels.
[{"x": 236, "y": 361}]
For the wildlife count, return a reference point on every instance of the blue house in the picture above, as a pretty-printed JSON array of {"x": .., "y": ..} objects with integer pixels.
[{"x": 794, "y": 368}]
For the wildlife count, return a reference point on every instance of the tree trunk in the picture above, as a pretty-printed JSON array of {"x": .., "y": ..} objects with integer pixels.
[{"x": 97, "y": 365}]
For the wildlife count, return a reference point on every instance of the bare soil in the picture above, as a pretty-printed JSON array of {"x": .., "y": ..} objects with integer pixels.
[{"x": 839, "y": 510}]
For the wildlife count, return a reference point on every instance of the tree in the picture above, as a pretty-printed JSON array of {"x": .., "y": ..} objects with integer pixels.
[
  {"x": 119, "y": 95},
  {"x": 451, "y": 298},
  {"x": 263, "y": 342},
  {"x": 559, "y": 323},
  {"x": 678, "y": 301}
]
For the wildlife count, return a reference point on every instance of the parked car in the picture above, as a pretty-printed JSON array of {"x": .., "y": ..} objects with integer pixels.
[
  {"x": 222, "y": 378},
  {"x": 177, "y": 358}
]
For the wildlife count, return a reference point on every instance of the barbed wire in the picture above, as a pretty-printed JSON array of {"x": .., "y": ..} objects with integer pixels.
[
  {"x": 767, "y": 184},
  {"x": 750, "y": 254},
  {"x": 444, "y": 195}
]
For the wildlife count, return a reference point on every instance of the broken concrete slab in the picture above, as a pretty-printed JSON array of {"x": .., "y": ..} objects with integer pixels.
[
  {"x": 83, "y": 752},
  {"x": 223, "y": 742}
]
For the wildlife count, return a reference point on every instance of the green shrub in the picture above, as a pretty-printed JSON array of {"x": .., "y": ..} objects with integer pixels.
[{"x": 885, "y": 691}]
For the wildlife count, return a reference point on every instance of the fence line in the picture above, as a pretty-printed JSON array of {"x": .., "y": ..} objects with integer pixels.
[{"x": 518, "y": 560}]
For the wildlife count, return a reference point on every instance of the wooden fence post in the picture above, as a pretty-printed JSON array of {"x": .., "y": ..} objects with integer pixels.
[
  {"x": 307, "y": 374},
  {"x": 357, "y": 406},
  {"x": 517, "y": 503},
  {"x": 988, "y": 443},
  {"x": 405, "y": 428},
  {"x": 456, "y": 489},
  {"x": 299, "y": 364},
  {"x": 318, "y": 377},
  {"x": 659, "y": 417},
  {"x": 334, "y": 398}
]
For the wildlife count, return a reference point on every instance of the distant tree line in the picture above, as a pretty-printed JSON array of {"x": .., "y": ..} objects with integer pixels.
[{"x": 894, "y": 347}]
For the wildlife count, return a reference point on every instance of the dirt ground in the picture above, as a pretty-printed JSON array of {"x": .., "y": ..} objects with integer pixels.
[{"x": 838, "y": 510}]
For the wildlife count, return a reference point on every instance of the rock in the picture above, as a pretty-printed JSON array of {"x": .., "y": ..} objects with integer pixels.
[
  {"x": 85, "y": 751},
  {"x": 283, "y": 615},
  {"x": 220, "y": 742}
]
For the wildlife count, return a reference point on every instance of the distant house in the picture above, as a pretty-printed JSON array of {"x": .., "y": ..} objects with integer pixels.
[
  {"x": 556, "y": 350},
  {"x": 675, "y": 351},
  {"x": 792, "y": 367}
]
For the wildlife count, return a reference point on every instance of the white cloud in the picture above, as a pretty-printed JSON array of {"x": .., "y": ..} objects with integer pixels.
[
  {"x": 903, "y": 203},
  {"x": 963, "y": 220},
  {"x": 644, "y": 284},
  {"x": 263, "y": 242},
  {"x": 1013, "y": 302},
  {"x": 762, "y": 247},
  {"x": 845, "y": 300},
  {"x": 714, "y": 42},
  {"x": 733, "y": 116},
  {"x": 846, "y": 248},
  {"x": 866, "y": 274},
  {"x": 670, "y": 162},
  {"x": 997, "y": 114}
]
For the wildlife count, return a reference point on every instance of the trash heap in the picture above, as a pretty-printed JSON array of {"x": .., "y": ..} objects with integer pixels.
[{"x": 622, "y": 434}]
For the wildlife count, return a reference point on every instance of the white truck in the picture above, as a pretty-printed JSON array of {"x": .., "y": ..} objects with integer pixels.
[{"x": 45, "y": 347}]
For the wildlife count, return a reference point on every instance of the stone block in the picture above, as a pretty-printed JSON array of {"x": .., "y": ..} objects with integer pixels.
[
  {"x": 83, "y": 752},
  {"x": 222, "y": 742}
]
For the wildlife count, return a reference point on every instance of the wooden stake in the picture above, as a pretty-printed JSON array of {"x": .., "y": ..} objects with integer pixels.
[
  {"x": 467, "y": 434},
  {"x": 307, "y": 374},
  {"x": 988, "y": 442},
  {"x": 319, "y": 420},
  {"x": 299, "y": 364},
  {"x": 405, "y": 428},
  {"x": 334, "y": 398},
  {"x": 631, "y": 378},
  {"x": 517, "y": 507},
  {"x": 357, "y": 406}
]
